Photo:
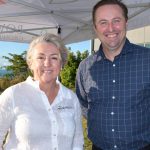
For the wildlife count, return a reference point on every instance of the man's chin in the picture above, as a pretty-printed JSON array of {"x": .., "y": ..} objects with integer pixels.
[{"x": 113, "y": 47}]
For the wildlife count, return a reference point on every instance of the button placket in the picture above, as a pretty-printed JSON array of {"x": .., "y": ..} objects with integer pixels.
[
  {"x": 113, "y": 130},
  {"x": 113, "y": 98},
  {"x": 54, "y": 129},
  {"x": 112, "y": 113}
]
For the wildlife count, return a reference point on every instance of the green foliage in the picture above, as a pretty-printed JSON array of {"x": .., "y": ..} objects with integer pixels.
[
  {"x": 18, "y": 65},
  {"x": 68, "y": 74},
  {"x": 87, "y": 142},
  {"x": 17, "y": 68},
  {"x": 4, "y": 83},
  {"x": 19, "y": 72}
]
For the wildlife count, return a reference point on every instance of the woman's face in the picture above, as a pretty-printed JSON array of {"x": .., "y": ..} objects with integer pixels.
[{"x": 46, "y": 62}]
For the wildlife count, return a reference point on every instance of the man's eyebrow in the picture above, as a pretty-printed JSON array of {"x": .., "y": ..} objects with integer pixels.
[{"x": 117, "y": 18}]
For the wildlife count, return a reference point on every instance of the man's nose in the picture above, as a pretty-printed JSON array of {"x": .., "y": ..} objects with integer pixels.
[{"x": 110, "y": 26}]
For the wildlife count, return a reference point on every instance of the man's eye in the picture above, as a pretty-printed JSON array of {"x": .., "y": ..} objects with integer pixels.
[
  {"x": 116, "y": 21},
  {"x": 103, "y": 23}
]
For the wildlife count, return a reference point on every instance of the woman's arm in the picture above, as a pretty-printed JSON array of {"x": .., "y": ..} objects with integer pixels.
[{"x": 6, "y": 113}]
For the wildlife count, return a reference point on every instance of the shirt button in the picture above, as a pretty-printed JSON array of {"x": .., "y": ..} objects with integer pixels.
[
  {"x": 112, "y": 113},
  {"x": 114, "y": 81},
  {"x": 115, "y": 146},
  {"x": 113, "y": 130},
  {"x": 114, "y": 65},
  {"x": 113, "y": 97},
  {"x": 49, "y": 109}
]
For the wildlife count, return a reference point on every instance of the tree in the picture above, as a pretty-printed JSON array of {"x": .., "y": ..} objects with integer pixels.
[
  {"x": 17, "y": 70},
  {"x": 18, "y": 65},
  {"x": 68, "y": 74}
]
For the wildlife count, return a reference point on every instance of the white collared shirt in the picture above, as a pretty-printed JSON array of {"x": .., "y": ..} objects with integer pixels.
[{"x": 34, "y": 124}]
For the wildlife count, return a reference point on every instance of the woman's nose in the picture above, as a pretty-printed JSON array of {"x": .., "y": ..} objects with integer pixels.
[{"x": 47, "y": 62}]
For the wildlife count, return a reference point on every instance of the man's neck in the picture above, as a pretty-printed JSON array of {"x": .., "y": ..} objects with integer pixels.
[{"x": 111, "y": 54}]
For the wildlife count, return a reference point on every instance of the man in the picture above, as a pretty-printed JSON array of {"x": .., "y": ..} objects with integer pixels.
[{"x": 113, "y": 85}]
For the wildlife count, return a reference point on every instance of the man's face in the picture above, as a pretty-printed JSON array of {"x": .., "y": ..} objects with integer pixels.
[{"x": 110, "y": 27}]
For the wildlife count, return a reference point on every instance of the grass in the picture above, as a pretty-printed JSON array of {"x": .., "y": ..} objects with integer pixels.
[{"x": 87, "y": 142}]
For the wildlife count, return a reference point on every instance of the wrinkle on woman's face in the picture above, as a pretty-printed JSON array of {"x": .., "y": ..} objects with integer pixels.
[{"x": 46, "y": 62}]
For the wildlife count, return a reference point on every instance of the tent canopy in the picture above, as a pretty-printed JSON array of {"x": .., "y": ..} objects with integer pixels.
[{"x": 22, "y": 20}]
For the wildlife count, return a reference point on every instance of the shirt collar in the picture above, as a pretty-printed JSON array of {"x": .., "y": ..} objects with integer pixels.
[
  {"x": 35, "y": 84},
  {"x": 32, "y": 82},
  {"x": 127, "y": 48}
]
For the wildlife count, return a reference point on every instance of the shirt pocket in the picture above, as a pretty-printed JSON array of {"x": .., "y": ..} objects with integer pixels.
[{"x": 68, "y": 123}]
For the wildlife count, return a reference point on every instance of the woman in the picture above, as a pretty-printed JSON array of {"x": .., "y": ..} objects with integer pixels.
[{"x": 40, "y": 113}]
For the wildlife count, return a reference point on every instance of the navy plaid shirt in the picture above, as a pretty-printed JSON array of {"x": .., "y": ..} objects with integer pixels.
[{"x": 117, "y": 97}]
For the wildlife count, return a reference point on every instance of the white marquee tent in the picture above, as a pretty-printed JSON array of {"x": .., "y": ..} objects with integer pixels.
[{"x": 22, "y": 20}]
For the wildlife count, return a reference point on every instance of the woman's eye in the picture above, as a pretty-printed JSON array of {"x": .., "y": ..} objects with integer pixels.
[
  {"x": 40, "y": 57},
  {"x": 55, "y": 58}
]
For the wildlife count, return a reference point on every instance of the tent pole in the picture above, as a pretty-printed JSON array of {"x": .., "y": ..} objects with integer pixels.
[{"x": 92, "y": 46}]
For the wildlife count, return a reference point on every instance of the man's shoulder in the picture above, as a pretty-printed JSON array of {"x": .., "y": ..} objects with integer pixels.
[
  {"x": 140, "y": 48},
  {"x": 136, "y": 49},
  {"x": 90, "y": 60},
  {"x": 141, "y": 52}
]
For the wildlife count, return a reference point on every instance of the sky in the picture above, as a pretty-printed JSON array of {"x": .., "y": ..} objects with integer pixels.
[{"x": 18, "y": 48}]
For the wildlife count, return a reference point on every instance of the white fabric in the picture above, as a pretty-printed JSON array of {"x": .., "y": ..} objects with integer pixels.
[
  {"x": 23, "y": 20},
  {"x": 34, "y": 124}
]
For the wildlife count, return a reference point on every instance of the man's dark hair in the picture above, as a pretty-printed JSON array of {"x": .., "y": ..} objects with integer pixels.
[{"x": 111, "y": 2}]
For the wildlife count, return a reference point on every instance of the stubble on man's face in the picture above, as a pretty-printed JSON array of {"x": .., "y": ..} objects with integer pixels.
[{"x": 110, "y": 27}]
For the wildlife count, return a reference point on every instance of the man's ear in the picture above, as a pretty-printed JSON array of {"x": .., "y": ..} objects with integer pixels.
[
  {"x": 127, "y": 24},
  {"x": 94, "y": 27},
  {"x": 95, "y": 30}
]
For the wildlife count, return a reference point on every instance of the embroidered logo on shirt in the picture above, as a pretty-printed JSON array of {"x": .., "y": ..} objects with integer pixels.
[{"x": 64, "y": 107}]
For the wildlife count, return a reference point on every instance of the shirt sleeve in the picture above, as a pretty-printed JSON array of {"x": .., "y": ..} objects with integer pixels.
[
  {"x": 6, "y": 113},
  {"x": 78, "y": 142},
  {"x": 80, "y": 91}
]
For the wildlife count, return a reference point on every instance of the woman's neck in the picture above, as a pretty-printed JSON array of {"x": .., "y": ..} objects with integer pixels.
[{"x": 51, "y": 90}]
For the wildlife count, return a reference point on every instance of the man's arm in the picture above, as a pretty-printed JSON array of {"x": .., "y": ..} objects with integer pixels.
[{"x": 80, "y": 90}]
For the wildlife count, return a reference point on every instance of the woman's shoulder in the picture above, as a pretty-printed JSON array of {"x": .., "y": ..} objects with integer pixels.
[
  {"x": 66, "y": 89},
  {"x": 66, "y": 92},
  {"x": 16, "y": 88}
]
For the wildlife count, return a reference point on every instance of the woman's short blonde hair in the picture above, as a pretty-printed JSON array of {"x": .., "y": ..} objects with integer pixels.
[{"x": 47, "y": 38}]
